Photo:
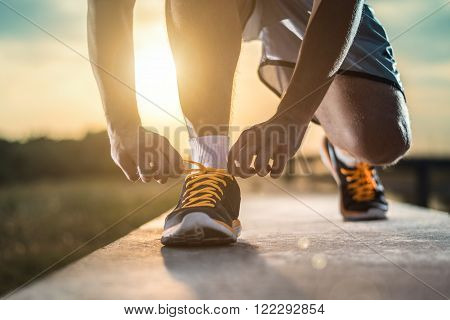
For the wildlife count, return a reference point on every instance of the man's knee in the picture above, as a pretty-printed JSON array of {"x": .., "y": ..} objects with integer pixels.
[
  {"x": 377, "y": 126},
  {"x": 384, "y": 146}
]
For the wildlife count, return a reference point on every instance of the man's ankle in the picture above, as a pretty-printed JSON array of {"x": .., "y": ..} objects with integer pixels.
[
  {"x": 345, "y": 157},
  {"x": 211, "y": 151}
]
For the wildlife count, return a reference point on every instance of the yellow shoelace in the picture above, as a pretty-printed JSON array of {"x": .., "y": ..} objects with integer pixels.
[
  {"x": 211, "y": 182},
  {"x": 362, "y": 183}
]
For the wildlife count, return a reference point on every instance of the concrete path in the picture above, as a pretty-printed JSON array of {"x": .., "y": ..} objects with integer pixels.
[{"x": 291, "y": 248}]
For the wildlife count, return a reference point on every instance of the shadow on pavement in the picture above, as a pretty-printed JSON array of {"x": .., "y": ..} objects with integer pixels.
[{"x": 228, "y": 272}]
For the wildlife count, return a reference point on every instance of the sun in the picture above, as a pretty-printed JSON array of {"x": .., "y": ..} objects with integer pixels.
[
  {"x": 155, "y": 74},
  {"x": 156, "y": 85},
  {"x": 158, "y": 101}
]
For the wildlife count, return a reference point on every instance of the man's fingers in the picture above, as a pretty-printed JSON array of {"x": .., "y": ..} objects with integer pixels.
[
  {"x": 166, "y": 161},
  {"x": 128, "y": 166},
  {"x": 231, "y": 164},
  {"x": 161, "y": 180},
  {"x": 240, "y": 157},
  {"x": 233, "y": 155},
  {"x": 279, "y": 162},
  {"x": 173, "y": 160},
  {"x": 239, "y": 164},
  {"x": 148, "y": 164},
  {"x": 262, "y": 160},
  {"x": 245, "y": 159},
  {"x": 164, "y": 168}
]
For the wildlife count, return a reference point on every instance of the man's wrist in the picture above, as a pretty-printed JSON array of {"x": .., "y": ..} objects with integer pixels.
[
  {"x": 115, "y": 126},
  {"x": 293, "y": 115}
]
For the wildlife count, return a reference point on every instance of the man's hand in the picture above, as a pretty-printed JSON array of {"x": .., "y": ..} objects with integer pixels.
[
  {"x": 140, "y": 154},
  {"x": 144, "y": 155},
  {"x": 277, "y": 139}
]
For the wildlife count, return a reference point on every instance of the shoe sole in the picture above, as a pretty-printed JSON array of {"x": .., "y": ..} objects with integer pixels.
[
  {"x": 198, "y": 229},
  {"x": 371, "y": 214}
]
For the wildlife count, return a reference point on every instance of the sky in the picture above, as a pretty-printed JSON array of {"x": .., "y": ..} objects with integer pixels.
[{"x": 48, "y": 88}]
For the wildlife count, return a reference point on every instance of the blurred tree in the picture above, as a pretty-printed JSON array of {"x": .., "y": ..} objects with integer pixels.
[{"x": 45, "y": 158}]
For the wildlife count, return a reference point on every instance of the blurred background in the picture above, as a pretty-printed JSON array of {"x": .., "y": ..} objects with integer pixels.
[{"x": 58, "y": 186}]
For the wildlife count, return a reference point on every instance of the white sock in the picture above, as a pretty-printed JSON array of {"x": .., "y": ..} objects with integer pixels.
[
  {"x": 345, "y": 157},
  {"x": 211, "y": 151}
]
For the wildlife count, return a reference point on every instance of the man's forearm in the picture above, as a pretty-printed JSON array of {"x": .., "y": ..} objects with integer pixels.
[
  {"x": 110, "y": 38},
  {"x": 329, "y": 35}
]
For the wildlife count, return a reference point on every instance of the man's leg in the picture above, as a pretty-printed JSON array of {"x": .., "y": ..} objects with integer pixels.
[
  {"x": 367, "y": 124},
  {"x": 367, "y": 118},
  {"x": 205, "y": 36}
]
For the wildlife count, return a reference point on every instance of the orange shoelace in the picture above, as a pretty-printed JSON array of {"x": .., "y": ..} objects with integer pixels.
[
  {"x": 204, "y": 186},
  {"x": 361, "y": 182}
]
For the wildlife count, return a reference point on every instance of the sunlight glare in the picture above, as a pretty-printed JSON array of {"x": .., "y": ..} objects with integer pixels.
[{"x": 156, "y": 81}]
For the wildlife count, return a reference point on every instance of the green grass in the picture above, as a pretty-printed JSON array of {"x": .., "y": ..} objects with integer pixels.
[{"x": 43, "y": 221}]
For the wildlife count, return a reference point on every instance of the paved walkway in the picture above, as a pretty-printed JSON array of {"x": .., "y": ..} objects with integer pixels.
[{"x": 287, "y": 251}]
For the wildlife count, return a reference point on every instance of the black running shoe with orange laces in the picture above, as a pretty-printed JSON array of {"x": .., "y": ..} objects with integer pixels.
[
  {"x": 207, "y": 212},
  {"x": 361, "y": 192}
]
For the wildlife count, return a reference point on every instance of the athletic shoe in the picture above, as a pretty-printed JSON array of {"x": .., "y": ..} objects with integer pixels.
[
  {"x": 207, "y": 212},
  {"x": 361, "y": 192}
]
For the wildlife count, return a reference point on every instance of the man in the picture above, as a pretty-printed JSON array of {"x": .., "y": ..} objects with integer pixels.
[{"x": 329, "y": 61}]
